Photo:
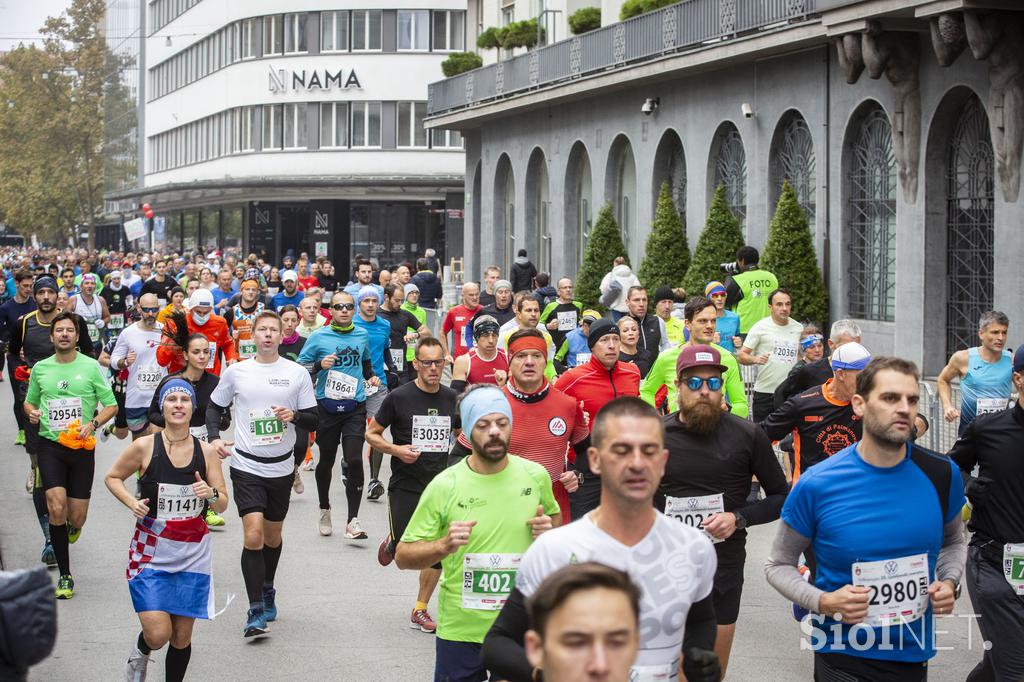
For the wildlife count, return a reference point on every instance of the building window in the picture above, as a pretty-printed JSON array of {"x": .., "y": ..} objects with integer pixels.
[
  {"x": 334, "y": 31},
  {"x": 446, "y": 139},
  {"x": 365, "y": 124},
  {"x": 872, "y": 219},
  {"x": 295, "y": 126},
  {"x": 410, "y": 124},
  {"x": 273, "y": 34},
  {"x": 413, "y": 29},
  {"x": 366, "y": 29},
  {"x": 794, "y": 161},
  {"x": 247, "y": 35},
  {"x": 273, "y": 126},
  {"x": 731, "y": 171},
  {"x": 449, "y": 30},
  {"x": 295, "y": 33},
  {"x": 334, "y": 118}
]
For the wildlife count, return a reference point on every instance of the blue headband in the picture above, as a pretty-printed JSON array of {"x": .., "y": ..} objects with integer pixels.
[
  {"x": 177, "y": 385},
  {"x": 809, "y": 341},
  {"x": 481, "y": 402}
]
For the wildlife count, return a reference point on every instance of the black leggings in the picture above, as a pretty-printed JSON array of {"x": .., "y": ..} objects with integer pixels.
[
  {"x": 301, "y": 445},
  {"x": 348, "y": 429},
  {"x": 19, "y": 398}
]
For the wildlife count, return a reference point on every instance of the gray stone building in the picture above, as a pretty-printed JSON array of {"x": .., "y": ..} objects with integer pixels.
[{"x": 899, "y": 122}]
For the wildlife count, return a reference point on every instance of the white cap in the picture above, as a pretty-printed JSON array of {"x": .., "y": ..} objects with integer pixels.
[
  {"x": 850, "y": 356},
  {"x": 201, "y": 297},
  {"x": 289, "y": 275}
]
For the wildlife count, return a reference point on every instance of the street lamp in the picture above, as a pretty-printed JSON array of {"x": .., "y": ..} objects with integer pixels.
[{"x": 540, "y": 17}]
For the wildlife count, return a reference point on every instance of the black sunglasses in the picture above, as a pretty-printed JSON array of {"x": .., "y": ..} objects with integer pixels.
[{"x": 343, "y": 306}]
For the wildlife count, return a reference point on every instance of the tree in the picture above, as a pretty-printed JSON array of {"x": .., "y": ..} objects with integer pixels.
[
  {"x": 717, "y": 244},
  {"x": 460, "y": 62},
  {"x": 667, "y": 256},
  {"x": 584, "y": 19},
  {"x": 604, "y": 246},
  {"x": 789, "y": 254}
]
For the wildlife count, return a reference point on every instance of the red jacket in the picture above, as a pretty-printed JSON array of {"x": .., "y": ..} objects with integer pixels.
[
  {"x": 215, "y": 329},
  {"x": 592, "y": 386}
]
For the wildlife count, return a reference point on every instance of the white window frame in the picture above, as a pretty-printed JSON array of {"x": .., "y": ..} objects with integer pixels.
[
  {"x": 329, "y": 24},
  {"x": 416, "y": 17},
  {"x": 332, "y": 112},
  {"x": 446, "y": 138},
  {"x": 366, "y": 108},
  {"x": 294, "y": 128},
  {"x": 414, "y": 108},
  {"x": 295, "y": 30},
  {"x": 275, "y": 22},
  {"x": 367, "y": 35},
  {"x": 446, "y": 17},
  {"x": 273, "y": 124}
]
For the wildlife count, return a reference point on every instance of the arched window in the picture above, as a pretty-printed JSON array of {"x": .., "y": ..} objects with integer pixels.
[
  {"x": 621, "y": 189},
  {"x": 793, "y": 160},
  {"x": 578, "y": 193},
  {"x": 505, "y": 213},
  {"x": 730, "y": 169},
  {"x": 670, "y": 167},
  {"x": 537, "y": 211},
  {"x": 871, "y": 217}
]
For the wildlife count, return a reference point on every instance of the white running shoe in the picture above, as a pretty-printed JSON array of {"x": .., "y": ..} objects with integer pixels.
[
  {"x": 353, "y": 531},
  {"x": 325, "y": 522},
  {"x": 137, "y": 664},
  {"x": 309, "y": 466},
  {"x": 297, "y": 484}
]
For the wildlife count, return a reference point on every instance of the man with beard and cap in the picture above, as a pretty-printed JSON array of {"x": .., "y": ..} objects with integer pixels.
[
  {"x": 291, "y": 294},
  {"x": 91, "y": 308},
  {"x": 476, "y": 519},
  {"x": 118, "y": 299},
  {"x": 711, "y": 456},
  {"x": 593, "y": 384},
  {"x": 199, "y": 320}
]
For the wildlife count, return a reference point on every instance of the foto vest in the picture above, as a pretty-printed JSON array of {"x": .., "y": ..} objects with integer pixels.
[{"x": 755, "y": 285}]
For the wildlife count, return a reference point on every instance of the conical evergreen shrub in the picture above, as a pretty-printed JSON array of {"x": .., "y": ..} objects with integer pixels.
[
  {"x": 604, "y": 246},
  {"x": 717, "y": 244},
  {"x": 667, "y": 255}
]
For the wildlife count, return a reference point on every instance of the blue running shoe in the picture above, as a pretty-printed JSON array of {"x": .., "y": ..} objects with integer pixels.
[
  {"x": 270, "y": 604},
  {"x": 256, "y": 623}
]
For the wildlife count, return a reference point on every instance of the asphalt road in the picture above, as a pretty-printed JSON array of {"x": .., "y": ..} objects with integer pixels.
[{"x": 342, "y": 616}]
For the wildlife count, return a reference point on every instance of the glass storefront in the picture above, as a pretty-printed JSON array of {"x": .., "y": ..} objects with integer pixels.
[
  {"x": 232, "y": 230},
  {"x": 190, "y": 231},
  {"x": 392, "y": 234}
]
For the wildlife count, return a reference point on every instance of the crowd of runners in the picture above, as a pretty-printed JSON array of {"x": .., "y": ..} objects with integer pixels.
[{"x": 576, "y": 487}]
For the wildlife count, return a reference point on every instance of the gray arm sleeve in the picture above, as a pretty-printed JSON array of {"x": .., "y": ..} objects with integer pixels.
[
  {"x": 953, "y": 555},
  {"x": 781, "y": 571}
]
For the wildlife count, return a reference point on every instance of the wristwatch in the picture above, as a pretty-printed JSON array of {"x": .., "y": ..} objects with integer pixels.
[
  {"x": 95, "y": 424},
  {"x": 215, "y": 497},
  {"x": 741, "y": 520}
]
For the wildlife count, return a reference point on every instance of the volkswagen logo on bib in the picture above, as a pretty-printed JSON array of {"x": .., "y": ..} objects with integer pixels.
[
  {"x": 557, "y": 426},
  {"x": 692, "y": 503},
  {"x": 890, "y": 568}
]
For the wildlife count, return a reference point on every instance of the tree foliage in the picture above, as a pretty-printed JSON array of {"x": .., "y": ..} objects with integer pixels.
[
  {"x": 585, "y": 19},
  {"x": 789, "y": 254},
  {"x": 489, "y": 38},
  {"x": 667, "y": 256},
  {"x": 603, "y": 247},
  {"x": 717, "y": 244},
  {"x": 633, "y": 8},
  {"x": 460, "y": 62}
]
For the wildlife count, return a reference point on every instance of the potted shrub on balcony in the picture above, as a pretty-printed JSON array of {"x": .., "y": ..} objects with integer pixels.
[
  {"x": 633, "y": 8},
  {"x": 520, "y": 34},
  {"x": 460, "y": 62},
  {"x": 585, "y": 19},
  {"x": 490, "y": 38}
]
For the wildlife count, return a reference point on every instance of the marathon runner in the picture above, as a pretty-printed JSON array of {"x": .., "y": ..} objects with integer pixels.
[
  {"x": 63, "y": 392},
  {"x": 814, "y": 373},
  {"x": 995, "y": 556},
  {"x": 401, "y": 339},
  {"x": 883, "y": 519},
  {"x": 527, "y": 316},
  {"x": 170, "y": 556},
  {"x": 771, "y": 343},
  {"x": 985, "y": 373},
  {"x": 160, "y": 284},
  {"x": 119, "y": 425},
  {"x": 135, "y": 350},
  {"x": 422, "y": 418},
  {"x": 340, "y": 357},
  {"x": 626, "y": 532},
  {"x": 727, "y": 327},
  {"x": 272, "y": 397},
  {"x": 492, "y": 274},
  {"x": 91, "y": 308},
  {"x": 574, "y": 350},
  {"x": 411, "y": 304},
  {"x": 485, "y": 363},
  {"x": 501, "y": 309},
  {"x": 11, "y": 311},
  {"x": 291, "y": 345},
  {"x": 364, "y": 278},
  {"x": 240, "y": 317},
  {"x": 119, "y": 300},
  {"x": 199, "y": 319},
  {"x": 457, "y": 321},
  {"x": 653, "y": 335},
  {"x": 290, "y": 295},
  {"x": 629, "y": 348},
  {"x": 712, "y": 455},
  {"x": 67, "y": 282},
  {"x": 562, "y": 315},
  {"x": 664, "y": 302},
  {"x": 477, "y": 518},
  {"x": 310, "y": 318}
]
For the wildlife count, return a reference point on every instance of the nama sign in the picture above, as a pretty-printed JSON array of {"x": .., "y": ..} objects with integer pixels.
[{"x": 281, "y": 80}]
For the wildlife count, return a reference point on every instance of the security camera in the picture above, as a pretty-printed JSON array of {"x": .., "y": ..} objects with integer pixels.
[
  {"x": 650, "y": 105},
  {"x": 748, "y": 111}
]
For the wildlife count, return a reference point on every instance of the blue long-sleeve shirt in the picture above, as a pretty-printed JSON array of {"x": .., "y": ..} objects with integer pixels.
[{"x": 340, "y": 388}]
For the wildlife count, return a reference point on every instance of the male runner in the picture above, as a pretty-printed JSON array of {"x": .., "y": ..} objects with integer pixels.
[
  {"x": 364, "y": 278},
  {"x": 562, "y": 315},
  {"x": 527, "y": 316},
  {"x": 574, "y": 350},
  {"x": 160, "y": 284},
  {"x": 672, "y": 563},
  {"x": 378, "y": 332},
  {"x": 477, "y": 518},
  {"x": 135, "y": 351},
  {"x": 406, "y": 330},
  {"x": 457, "y": 320},
  {"x": 240, "y": 317},
  {"x": 883, "y": 519},
  {"x": 200, "y": 320},
  {"x": 272, "y": 397},
  {"x": 771, "y": 343},
  {"x": 310, "y": 318},
  {"x": 411, "y": 304},
  {"x": 422, "y": 418},
  {"x": 11, "y": 311},
  {"x": 63, "y": 392},
  {"x": 985, "y": 373},
  {"x": 118, "y": 299},
  {"x": 811, "y": 374},
  {"x": 485, "y": 363},
  {"x": 91, "y": 308},
  {"x": 491, "y": 275},
  {"x": 501, "y": 309},
  {"x": 291, "y": 294},
  {"x": 653, "y": 335}
]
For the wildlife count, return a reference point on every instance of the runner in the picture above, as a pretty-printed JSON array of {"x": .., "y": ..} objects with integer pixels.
[
  {"x": 727, "y": 328},
  {"x": 562, "y": 315},
  {"x": 364, "y": 278},
  {"x": 91, "y": 308},
  {"x": 477, "y": 518},
  {"x": 290, "y": 295},
  {"x": 406, "y": 330},
  {"x": 411, "y": 304},
  {"x": 574, "y": 350},
  {"x": 457, "y": 320},
  {"x": 119, "y": 425},
  {"x": 422, "y": 418},
  {"x": 10, "y": 312},
  {"x": 485, "y": 363},
  {"x": 491, "y": 276},
  {"x": 815, "y": 373},
  {"x": 135, "y": 351},
  {"x": 310, "y": 318},
  {"x": 200, "y": 319},
  {"x": 501, "y": 309},
  {"x": 63, "y": 392},
  {"x": 160, "y": 284},
  {"x": 118, "y": 300},
  {"x": 711, "y": 457},
  {"x": 170, "y": 556},
  {"x": 664, "y": 301},
  {"x": 629, "y": 350},
  {"x": 340, "y": 357},
  {"x": 527, "y": 316},
  {"x": 240, "y": 317},
  {"x": 177, "y": 304},
  {"x": 771, "y": 343},
  {"x": 995, "y": 556},
  {"x": 883, "y": 519},
  {"x": 985, "y": 373},
  {"x": 653, "y": 335},
  {"x": 626, "y": 532},
  {"x": 272, "y": 397}
]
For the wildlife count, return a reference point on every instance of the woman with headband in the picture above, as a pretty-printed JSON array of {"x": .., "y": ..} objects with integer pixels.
[{"x": 169, "y": 560}]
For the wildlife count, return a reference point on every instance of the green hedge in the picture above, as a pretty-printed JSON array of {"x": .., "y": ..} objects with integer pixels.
[
  {"x": 667, "y": 256},
  {"x": 604, "y": 246},
  {"x": 489, "y": 38},
  {"x": 634, "y": 8},
  {"x": 585, "y": 19},
  {"x": 460, "y": 62}
]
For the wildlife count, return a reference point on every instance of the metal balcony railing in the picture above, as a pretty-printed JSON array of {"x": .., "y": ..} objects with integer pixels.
[{"x": 688, "y": 24}]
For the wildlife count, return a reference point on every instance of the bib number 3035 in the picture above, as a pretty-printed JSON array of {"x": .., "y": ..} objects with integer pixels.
[
  {"x": 488, "y": 579},
  {"x": 431, "y": 433},
  {"x": 899, "y": 589}
]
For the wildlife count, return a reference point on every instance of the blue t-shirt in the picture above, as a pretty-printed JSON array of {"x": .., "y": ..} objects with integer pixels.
[
  {"x": 220, "y": 295},
  {"x": 853, "y": 511},
  {"x": 351, "y": 348},
  {"x": 727, "y": 327},
  {"x": 379, "y": 333},
  {"x": 136, "y": 288},
  {"x": 282, "y": 299}
]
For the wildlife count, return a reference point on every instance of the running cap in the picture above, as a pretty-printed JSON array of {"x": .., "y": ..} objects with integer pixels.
[
  {"x": 177, "y": 385},
  {"x": 366, "y": 292},
  {"x": 601, "y": 328},
  {"x": 502, "y": 284},
  {"x": 485, "y": 324},
  {"x": 289, "y": 275},
  {"x": 591, "y": 316},
  {"x": 663, "y": 293},
  {"x": 810, "y": 340},
  {"x": 699, "y": 356},
  {"x": 201, "y": 297},
  {"x": 251, "y": 275},
  {"x": 1018, "y": 359},
  {"x": 411, "y": 287},
  {"x": 44, "y": 282},
  {"x": 89, "y": 277},
  {"x": 850, "y": 356},
  {"x": 481, "y": 402},
  {"x": 713, "y": 288}
]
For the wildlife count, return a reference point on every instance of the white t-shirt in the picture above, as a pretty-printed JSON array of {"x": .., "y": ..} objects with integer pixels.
[
  {"x": 512, "y": 326},
  {"x": 781, "y": 343},
  {"x": 145, "y": 373},
  {"x": 255, "y": 387},
  {"x": 674, "y": 567}
]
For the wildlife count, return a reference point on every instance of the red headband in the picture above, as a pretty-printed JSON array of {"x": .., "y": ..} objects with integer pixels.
[{"x": 528, "y": 343}]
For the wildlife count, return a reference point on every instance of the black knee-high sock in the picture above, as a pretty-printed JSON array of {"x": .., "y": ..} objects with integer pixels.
[
  {"x": 177, "y": 663},
  {"x": 352, "y": 448},
  {"x": 253, "y": 570},
  {"x": 143, "y": 645},
  {"x": 59, "y": 539},
  {"x": 271, "y": 555}
]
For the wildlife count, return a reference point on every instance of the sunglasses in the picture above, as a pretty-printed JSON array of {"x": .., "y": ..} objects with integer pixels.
[
  {"x": 343, "y": 306},
  {"x": 151, "y": 310},
  {"x": 694, "y": 383}
]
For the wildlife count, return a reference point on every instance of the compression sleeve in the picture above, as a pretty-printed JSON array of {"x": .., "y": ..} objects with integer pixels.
[
  {"x": 368, "y": 369},
  {"x": 306, "y": 419},
  {"x": 701, "y": 625},
  {"x": 458, "y": 385},
  {"x": 503, "y": 652},
  {"x": 213, "y": 415},
  {"x": 953, "y": 555},
  {"x": 780, "y": 568}
]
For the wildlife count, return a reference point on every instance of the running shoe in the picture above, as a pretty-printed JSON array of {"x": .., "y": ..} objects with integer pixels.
[
  {"x": 376, "y": 489},
  {"x": 49, "y": 557},
  {"x": 297, "y": 484},
  {"x": 20, "y": 438},
  {"x": 269, "y": 603},
  {"x": 308, "y": 465},
  {"x": 104, "y": 437},
  {"x": 30, "y": 482},
  {"x": 385, "y": 552},
  {"x": 137, "y": 664},
  {"x": 212, "y": 518},
  {"x": 65, "y": 587},
  {"x": 353, "y": 531},
  {"x": 799, "y": 612},
  {"x": 422, "y": 621},
  {"x": 256, "y": 623},
  {"x": 325, "y": 522},
  {"x": 73, "y": 533}
]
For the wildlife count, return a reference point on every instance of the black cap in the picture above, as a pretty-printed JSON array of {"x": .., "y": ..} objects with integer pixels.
[
  {"x": 663, "y": 293},
  {"x": 600, "y": 328}
]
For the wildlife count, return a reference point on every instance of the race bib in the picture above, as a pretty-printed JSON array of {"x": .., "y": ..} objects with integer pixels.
[
  {"x": 654, "y": 673},
  {"x": 340, "y": 386},
  {"x": 488, "y": 579},
  {"x": 369, "y": 389},
  {"x": 693, "y": 511},
  {"x": 94, "y": 333},
  {"x": 989, "y": 405},
  {"x": 784, "y": 352},
  {"x": 246, "y": 348},
  {"x": 326, "y": 296},
  {"x": 177, "y": 502},
  {"x": 398, "y": 358},
  {"x": 567, "y": 321},
  {"x": 899, "y": 589},
  {"x": 199, "y": 432},
  {"x": 582, "y": 358},
  {"x": 213, "y": 355},
  {"x": 116, "y": 321},
  {"x": 62, "y": 411},
  {"x": 265, "y": 428},
  {"x": 1013, "y": 566},
  {"x": 431, "y": 433},
  {"x": 148, "y": 378},
  {"x": 162, "y": 302},
  {"x": 272, "y": 291}
]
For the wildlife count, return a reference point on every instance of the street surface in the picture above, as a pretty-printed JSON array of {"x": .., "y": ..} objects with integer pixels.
[{"x": 342, "y": 616}]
